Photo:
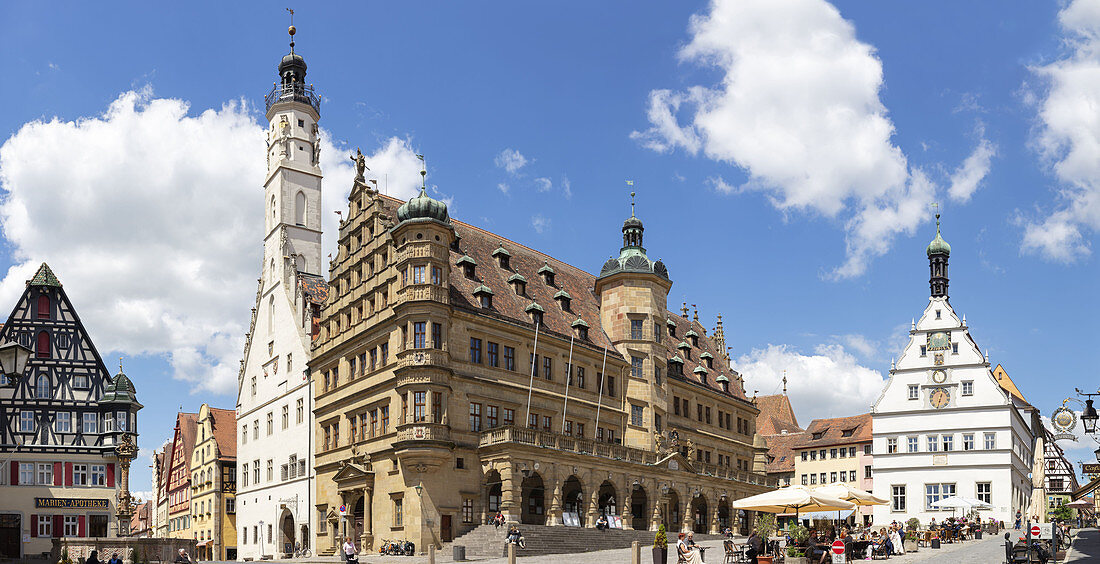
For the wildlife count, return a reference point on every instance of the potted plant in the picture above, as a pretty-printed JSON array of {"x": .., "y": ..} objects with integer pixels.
[
  {"x": 765, "y": 527},
  {"x": 912, "y": 537},
  {"x": 660, "y": 546}
]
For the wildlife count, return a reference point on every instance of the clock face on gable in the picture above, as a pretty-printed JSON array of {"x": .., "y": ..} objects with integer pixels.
[
  {"x": 939, "y": 398},
  {"x": 939, "y": 341},
  {"x": 939, "y": 376}
]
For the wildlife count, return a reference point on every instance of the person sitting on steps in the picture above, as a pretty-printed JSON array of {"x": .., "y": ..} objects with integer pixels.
[
  {"x": 601, "y": 522},
  {"x": 514, "y": 537}
]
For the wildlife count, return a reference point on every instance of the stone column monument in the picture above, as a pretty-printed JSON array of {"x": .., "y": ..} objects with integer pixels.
[{"x": 126, "y": 451}]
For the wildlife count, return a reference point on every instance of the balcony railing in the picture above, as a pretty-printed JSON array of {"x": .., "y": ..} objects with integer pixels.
[
  {"x": 293, "y": 93},
  {"x": 546, "y": 439},
  {"x": 423, "y": 431},
  {"x": 422, "y": 292}
]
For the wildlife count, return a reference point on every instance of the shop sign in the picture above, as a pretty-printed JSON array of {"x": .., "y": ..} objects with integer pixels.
[{"x": 70, "y": 503}]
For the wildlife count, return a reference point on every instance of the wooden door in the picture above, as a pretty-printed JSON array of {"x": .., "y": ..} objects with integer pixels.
[{"x": 445, "y": 529}]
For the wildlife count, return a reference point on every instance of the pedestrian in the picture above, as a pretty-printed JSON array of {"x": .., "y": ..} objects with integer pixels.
[
  {"x": 114, "y": 559},
  {"x": 349, "y": 551},
  {"x": 93, "y": 558},
  {"x": 1018, "y": 517},
  {"x": 182, "y": 557}
]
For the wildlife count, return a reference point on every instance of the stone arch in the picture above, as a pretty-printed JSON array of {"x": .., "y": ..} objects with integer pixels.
[
  {"x": 724, "y": 514},
  {"x": 698, "y": 514},
  {"x": 572, "y": 496},
  {"x": 639, "y": 508},
  {"x": 533, "y": 496},
  {"x": 493, "y": 492},
  {"x": 300, "y": 208},
  {"x": 286, "y": 532},
  {"x": 608, "y": 499}
]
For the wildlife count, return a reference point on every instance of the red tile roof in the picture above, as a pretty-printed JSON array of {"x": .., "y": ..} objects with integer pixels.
[
  {"x": 781, "y": 451},
  {"x": 776, "y": 415},
  {"x": 479, "y": 245},
  {"x": 225, "y": 432},
  {"x": 832, "y": 431}
]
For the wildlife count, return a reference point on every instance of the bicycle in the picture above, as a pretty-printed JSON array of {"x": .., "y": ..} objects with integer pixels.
[{"x": 300, "y": 552}]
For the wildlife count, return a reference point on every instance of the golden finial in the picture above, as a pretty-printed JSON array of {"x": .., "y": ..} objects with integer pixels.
[{"x": 291, "y": 30}]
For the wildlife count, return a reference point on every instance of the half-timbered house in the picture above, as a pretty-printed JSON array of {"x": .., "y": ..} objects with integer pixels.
[{"x": 60, "y": 420}]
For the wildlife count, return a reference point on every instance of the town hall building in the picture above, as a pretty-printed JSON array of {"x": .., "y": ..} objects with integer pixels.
[{"x": 945, "y": 425}]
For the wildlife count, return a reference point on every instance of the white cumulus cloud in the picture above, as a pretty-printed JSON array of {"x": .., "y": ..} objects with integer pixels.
[
  {"x": 828, "y": 383},
  {"x": 968, "y": 177},
  {"x": 540, "y": 223},
  {"x": 1068, "y": 139},
  {"x": 152, "y": 217},
  {"x": 511, "y": 160},
  {"x": 543, "y": 184},
  {"x": 798, "y": 110}
]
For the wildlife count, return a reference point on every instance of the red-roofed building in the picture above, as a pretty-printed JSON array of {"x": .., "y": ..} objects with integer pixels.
[
  {"x": 426, "y": 372},
  {"x": 778, "y": 426},
  {"x": 837, "y": 451}
]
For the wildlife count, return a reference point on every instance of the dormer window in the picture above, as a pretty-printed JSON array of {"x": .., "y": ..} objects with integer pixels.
[
  {"x": 693, "y": 336},
  {"x": 675, "y": 366},
  {"x": 671, "y": 328},
  {"x": 467, "y": 265},
  {"x": 484, "y": 296},
  {"x": 547, "y": 273},
  {"x": 818, "y": 435},
  {"x": 708, "y": 358},
  {"x": 535, "y": 311},
  {"x": 581, "y": 328},
  {"x": 848, "y": 432},
  {"x": 503, "y": 256},
  {"x": 563, "y": 298},
  {"x": 519, "y": 284},
  {"x": 685, "y": 349},
  {"x": 701, "y": 373}
]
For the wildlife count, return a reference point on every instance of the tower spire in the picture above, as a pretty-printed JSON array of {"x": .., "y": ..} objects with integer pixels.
[
  {"x": 291, "y": 30},
  {"x": 938, "y": 252}
]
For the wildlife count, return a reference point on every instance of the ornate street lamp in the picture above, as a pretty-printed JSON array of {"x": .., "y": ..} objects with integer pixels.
[
  {"x": 13, "y": 361},
  {"x": 1089, "y": 415}
]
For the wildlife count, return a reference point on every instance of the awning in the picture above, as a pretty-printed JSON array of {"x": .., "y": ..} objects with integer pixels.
[
  {"x": 205, "y": 542},
  {"x": 823, "y": 515}
]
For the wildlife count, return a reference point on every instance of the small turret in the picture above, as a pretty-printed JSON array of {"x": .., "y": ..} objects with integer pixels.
[{"x": 938, "y": 252}]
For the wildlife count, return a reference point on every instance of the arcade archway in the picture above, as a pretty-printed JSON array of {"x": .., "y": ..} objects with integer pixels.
[{"x": 534, "y": 500}]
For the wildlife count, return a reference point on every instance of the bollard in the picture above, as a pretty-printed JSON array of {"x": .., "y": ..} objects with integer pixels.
[
  {"x": 511, "y": 553},
  {"x": 636, "y": 552},
  {"x": 431, "y": 554}
]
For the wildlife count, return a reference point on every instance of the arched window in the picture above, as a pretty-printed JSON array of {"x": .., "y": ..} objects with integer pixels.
[
  {"x": 300, "y": 263},
  {"x": 300, "y": 209},
  {"x": 271, "y": 270},
  {"x": 43, "y": 307},
  {"x": 274, "y": 219},
  {"x": 43, "y": 349},
  {"x": 271, "y": 314},
  {"x": 42, "y": 388}
]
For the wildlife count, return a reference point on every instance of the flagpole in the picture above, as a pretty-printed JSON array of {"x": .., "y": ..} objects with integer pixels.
[
  {"x": 531, "y": 383},
  {"x": 599, "y": 400},
  {"x": 568, "y": 378}
]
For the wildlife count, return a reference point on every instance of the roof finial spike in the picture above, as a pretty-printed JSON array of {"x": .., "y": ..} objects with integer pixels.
[
  {"x": 632, "y": 204},
  {"x": 423, "y": 174},
  {"x": 936, "y": 206},
  {"x": 695, "y": 315},
  {"x": 120, "y": 364},
  {"x": 784, "y": 382},
  {"x": 291, "y": 30},
  {"x": 684, "y": 309}
]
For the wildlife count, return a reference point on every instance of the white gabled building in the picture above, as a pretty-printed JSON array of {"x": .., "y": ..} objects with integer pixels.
[
  {"x": 274, "y": 411},
  {"x": 945, "y": 424}
]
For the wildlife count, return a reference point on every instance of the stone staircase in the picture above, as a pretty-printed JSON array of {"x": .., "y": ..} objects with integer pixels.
[{"x": 487, "y": 541}]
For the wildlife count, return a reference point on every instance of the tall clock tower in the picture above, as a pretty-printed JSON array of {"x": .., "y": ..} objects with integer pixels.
[
  {"x": 945, "y": 424},
  {"x": 274, "y": 407}
]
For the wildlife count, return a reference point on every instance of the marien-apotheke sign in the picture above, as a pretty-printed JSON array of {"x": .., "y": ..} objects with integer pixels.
[{"x": 70, "y": 503}]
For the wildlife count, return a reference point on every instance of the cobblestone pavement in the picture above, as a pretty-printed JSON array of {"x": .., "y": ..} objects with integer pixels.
[
  {"x": 1086, "y": 547},
  {"x": 989, "y": 550}
]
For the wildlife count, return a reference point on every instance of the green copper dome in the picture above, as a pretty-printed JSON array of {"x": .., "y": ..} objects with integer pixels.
[
  {"x": 120, "y": 390},
  {"x": 423, "y": 207},
  {"x": 938, "y": 246}
]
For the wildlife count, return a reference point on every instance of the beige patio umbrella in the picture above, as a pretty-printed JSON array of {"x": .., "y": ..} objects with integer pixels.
[
  {"x": 848, "y": 493},
  {"x": 792, "y": 498}
]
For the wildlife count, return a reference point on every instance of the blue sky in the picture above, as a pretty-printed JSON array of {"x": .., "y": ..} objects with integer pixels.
[{"x": 144, "y": 193}]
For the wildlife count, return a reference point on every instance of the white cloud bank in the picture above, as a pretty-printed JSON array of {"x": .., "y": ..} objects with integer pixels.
[
  {"x": 1068, "y": 138},
  {"x": 798, "y": 110},
  {"x": 511, "y": 160},
  {"x": 828, "y": 383},
  {"x": 152, "y": 219}
]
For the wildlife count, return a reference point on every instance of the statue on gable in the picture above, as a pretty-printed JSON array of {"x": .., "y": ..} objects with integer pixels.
[{"x": 360, "y": 166}]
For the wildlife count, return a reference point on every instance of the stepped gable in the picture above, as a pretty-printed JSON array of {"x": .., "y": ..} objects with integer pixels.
[
  {"x": 189, "y": 428},
  {"x": 776, "y": 415},
  {"x": 781, "y": 453},
  {"x": 832, "y": 431},
  {"x": 479, "y": 245},
  {"x": 706, "y": 345},
  {"x": 225, "y": 425}
]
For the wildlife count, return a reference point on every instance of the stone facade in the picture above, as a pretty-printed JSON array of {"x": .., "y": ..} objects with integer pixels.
[{"x": 447, "y": 356}]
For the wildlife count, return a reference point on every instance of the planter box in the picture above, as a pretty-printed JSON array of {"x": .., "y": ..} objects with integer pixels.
[
  {"x": 660, "y": 555},
  {"x": 909, "y": 545}
]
